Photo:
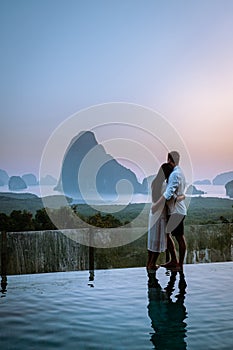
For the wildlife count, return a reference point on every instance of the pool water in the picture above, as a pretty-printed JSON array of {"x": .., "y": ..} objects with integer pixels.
[{"x": 119, "y": 310}]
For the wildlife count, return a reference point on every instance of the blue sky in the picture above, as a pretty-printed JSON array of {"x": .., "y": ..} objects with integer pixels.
[{"x": 58, "y": 57}]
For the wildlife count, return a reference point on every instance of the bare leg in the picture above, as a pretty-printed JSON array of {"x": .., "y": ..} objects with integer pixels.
[
  {"x": 182, "y": 249},
  {"x": 152, "y": 258},
  {"x": 149, "y": 259},
  {"x": 172, "y": 250}
]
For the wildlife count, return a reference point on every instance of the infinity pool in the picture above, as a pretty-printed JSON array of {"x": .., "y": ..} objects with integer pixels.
[{"x": 118, "y": 310}]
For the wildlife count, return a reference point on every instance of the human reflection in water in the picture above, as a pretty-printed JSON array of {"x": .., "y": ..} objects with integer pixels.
[
  {"x": 167, "y": 316},
  {"x": 91, "y": 278},
  {"x": 91, "y": 264},
  {"x": 3, "y": 285}
]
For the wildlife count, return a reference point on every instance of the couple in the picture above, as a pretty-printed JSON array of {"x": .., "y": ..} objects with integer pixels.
[{"x": 167, "y": 214}]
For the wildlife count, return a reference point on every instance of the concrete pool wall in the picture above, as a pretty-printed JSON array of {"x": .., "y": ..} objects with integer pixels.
[{"x": 53, "y": 251}]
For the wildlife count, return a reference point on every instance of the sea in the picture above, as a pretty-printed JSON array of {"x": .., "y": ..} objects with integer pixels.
[{"x": 217, "y": 191}]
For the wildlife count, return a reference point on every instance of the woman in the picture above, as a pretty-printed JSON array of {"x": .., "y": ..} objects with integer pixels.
[{"x": 157, "y": 238}]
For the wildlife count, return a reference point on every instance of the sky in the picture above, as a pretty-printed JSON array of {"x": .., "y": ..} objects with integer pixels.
[{"x": 62, "y": 56}]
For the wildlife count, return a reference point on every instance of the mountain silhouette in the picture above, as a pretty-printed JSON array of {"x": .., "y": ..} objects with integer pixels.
[
  {"x": 4, "y": 177},
  {"x": 229, "y": 189},
  {"x": 87, "y": 169},
  {"x": 223, "y": 178}
]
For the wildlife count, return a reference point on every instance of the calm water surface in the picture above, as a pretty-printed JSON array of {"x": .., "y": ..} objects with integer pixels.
[
  {"x": 218, "y": 191},
  {"x": 118, "y": 310}
]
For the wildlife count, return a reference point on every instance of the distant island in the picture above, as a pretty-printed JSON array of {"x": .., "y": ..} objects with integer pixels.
[
  {"x": 103, "y": 175},
  {"x": 20, "y": 183},
  {"x": 229, "y": 189},
  {"x": 48, "y": 180},
  {"x": 108, "y": 173},
  {"x": 4, "y": 178},
  {"x": 202, "y": 182},
  {"x": 192, "y": 190},
  {"x": 220, "y": 179},
  {"x": 17, "y": 183},
  {"x": 223, "y": 178}
]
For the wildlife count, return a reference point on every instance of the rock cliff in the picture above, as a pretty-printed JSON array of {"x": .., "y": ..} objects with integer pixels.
[
  {"x": 30, "y": 179},
  {"x": 87, "y": 169},
  {"x": 229, "y": 189},
  {"x": 4, "y": 177},
  {"x": 16, "y": 183},
  {"x": 193, "y": 190},
  {"x": 223, "y": 178}
]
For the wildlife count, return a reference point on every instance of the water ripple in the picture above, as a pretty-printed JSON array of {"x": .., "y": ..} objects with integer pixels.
[{"x": 60, "y": 310}]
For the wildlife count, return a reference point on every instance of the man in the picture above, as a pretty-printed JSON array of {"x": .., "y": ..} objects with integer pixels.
[{"x": 176, "y": 211}]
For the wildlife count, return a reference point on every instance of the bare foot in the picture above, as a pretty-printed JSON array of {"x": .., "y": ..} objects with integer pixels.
[{"x": 171, "y": 265}]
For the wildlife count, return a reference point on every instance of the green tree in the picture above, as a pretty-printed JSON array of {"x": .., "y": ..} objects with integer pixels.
[
  {"x": 20, "y": 221},
  {"x": 42, "y": 221},
  {"x": 4, "y": 222},
  {"x": 104, "y": 221}
]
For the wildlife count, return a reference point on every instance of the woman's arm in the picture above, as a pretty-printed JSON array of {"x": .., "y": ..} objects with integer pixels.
[
  {"x": 180, "y": 198},
  {"x": 161, "y": 201}
]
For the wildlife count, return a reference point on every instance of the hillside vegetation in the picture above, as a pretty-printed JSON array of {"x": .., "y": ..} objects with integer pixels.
[{"x": 200, "y": 211}]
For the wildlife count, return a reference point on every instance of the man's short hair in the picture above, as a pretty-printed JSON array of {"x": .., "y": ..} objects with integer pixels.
[{"x": 174, "y": 157}]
